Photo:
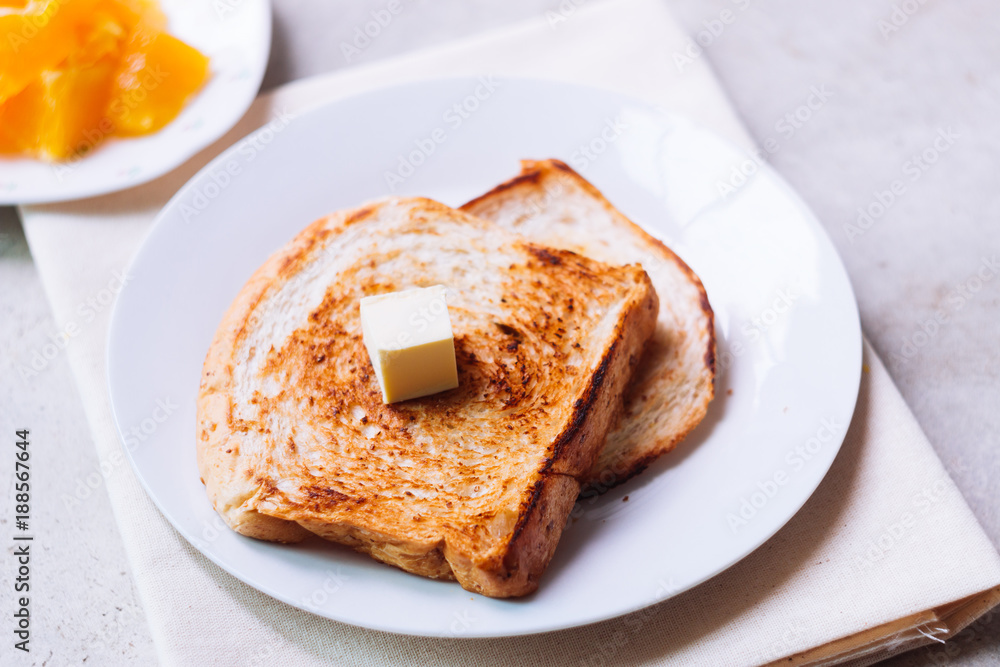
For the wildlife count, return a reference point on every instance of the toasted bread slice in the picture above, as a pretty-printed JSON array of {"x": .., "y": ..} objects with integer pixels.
[
  {"x": 475, "y": 483},
  {"x": 551, "y": 204}
]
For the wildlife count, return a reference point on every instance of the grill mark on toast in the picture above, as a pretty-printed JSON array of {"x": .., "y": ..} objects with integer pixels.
[
  {"x": 546, "y": 255},
  {"x": 325, "y": 496}
]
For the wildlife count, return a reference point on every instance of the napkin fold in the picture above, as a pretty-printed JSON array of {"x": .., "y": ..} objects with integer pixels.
[{"x": 884, "y": 557}]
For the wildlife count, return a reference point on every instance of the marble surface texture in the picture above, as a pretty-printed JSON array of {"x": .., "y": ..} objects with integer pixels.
[{"x": 911, "y": 96}]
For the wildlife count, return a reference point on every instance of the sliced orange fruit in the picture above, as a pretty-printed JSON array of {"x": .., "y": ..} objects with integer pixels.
[
  {"x": 158, "y": 73},
  {"x": 20, "y": 120},
  {"x": 73, "y": 72},
  {"x": 38, "y": 37},
  {"x": 130, "y": 12},
  {"x": 63, "y": 112}
]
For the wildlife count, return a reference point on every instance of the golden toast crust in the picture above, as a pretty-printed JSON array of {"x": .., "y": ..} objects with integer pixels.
[
  {"x": 550, "y": 203},
  {"x": 473, "y": 484}
]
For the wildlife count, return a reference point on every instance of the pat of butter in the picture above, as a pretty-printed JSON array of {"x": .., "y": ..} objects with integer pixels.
[{"x": 410, "y": 343}]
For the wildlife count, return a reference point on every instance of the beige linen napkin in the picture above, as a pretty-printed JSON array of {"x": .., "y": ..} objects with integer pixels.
[{"x": 884, "y": 557}]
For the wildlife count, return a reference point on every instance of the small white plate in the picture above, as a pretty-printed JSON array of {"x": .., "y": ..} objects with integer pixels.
[
  {"x": 236, "y": 35},
  {"x": 789, "y": 340}
]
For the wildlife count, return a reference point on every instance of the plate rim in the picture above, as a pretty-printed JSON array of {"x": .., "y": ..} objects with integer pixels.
[{"x": 787, "y": 192}]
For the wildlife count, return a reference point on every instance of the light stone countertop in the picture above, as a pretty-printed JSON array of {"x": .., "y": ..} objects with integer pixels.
[{"x": 905, "y": 98}]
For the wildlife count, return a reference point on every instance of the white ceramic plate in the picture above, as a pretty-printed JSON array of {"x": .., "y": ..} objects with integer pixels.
[
  {"x": 236, "y": 35},
  {"x": 789, "y": 341}
]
